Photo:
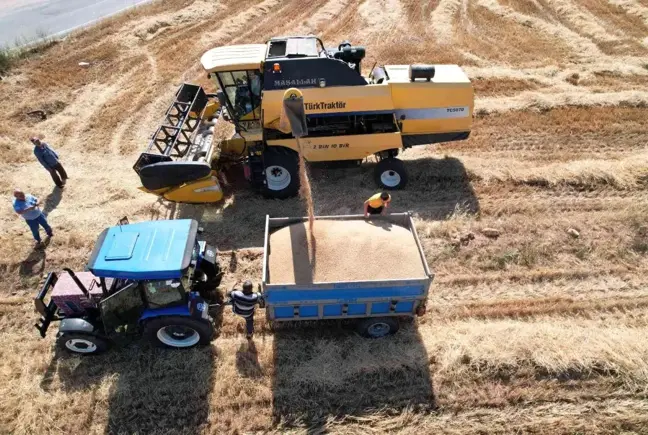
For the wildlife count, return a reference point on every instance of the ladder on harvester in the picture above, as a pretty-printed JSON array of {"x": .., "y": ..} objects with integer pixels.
[{"x": 174, "y": 137}]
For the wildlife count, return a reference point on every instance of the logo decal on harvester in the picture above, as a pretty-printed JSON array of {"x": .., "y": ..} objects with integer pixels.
[
  {"x": 295, "y": 82},
  {"x": 323, "y": 105}
]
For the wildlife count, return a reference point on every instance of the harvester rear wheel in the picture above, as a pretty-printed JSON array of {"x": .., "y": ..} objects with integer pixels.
[
  {"x": 178, "y": 332},
  {"x": 281, "y": 172},
  {"x": 390, "y": 173}
]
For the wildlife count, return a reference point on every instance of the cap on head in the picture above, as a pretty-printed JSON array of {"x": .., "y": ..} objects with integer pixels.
[
  {"x": 385, "y": 196},
  {"x": 35, "y": 140},
  {"x": 247, "y": 287}
]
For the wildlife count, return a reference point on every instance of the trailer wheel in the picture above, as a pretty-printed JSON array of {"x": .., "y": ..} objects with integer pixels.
[
  {"x": 390, "y": 173},
  {"x": 82, "y": 344},
  {"x": 178, "y": 332},
  {"x": 281, "y": 169},
  {"x": 376, "y": 327}
]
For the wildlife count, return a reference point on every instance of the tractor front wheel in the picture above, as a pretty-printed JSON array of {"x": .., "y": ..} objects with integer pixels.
[
  {"x": 82, "y": 344},
  {"x": 178, "y": 332},
  {"x": 390, "y": 173}
]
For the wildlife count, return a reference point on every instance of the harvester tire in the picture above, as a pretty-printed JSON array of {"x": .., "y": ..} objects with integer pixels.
[
  {"x": 82, "y": 344},
  {"x": 281, "y": 167},
  {"x": 178, "y": 331},
  {"x": 390, "y": 173},
  {"x": 376, "y": 327}
]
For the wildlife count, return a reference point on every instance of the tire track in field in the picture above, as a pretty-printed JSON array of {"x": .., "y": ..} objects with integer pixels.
[
  {"x": 597, "y": 287},
  {"x": 442, "y": 20},
  {"x": 547, "y": 307},
  {"x": 580, "y": 46},
  {"x": 583, "y": 20}
]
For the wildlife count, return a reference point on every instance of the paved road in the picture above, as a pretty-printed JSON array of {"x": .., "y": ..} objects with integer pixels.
[{"x": 28, "y": 20}]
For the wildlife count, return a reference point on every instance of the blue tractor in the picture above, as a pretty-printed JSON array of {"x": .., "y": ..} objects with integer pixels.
[{"x": 151, "y": 278}]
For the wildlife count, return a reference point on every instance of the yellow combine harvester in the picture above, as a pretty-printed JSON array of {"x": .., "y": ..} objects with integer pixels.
[{"x": 350, "y": 117}]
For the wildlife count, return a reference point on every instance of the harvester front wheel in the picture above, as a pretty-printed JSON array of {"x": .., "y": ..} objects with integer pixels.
[
  {"x": 281, "y": 172},
  {"x": 178, "y": 332},
  {"x": 390, "y": 173}
]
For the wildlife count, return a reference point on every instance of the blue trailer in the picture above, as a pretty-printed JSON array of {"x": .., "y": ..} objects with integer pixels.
[{"x": 376, "y": 305}]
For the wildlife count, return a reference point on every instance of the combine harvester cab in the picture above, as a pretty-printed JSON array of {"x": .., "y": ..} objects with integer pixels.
[
  {"x": 150, "y": 278},
  {"x": 350, "y": 117}
]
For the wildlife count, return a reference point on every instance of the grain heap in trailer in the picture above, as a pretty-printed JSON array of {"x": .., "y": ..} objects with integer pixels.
[{"x": 350, "y": 117}]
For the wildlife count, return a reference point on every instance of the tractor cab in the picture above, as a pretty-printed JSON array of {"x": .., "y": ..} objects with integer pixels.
[{"x": 151, "y": 277}]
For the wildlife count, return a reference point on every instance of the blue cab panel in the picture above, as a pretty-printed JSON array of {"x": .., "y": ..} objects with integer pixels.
[{"x": 152, "y": 250}]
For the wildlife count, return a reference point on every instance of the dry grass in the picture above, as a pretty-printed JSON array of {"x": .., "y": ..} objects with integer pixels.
[{"x": 534, "y": 331}]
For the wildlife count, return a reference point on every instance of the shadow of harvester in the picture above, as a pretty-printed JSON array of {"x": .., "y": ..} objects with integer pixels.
[
  {"x": 323, "y": 373},
  {"x": 153, "y": 390},
  {"x": 437, "y": 188}
]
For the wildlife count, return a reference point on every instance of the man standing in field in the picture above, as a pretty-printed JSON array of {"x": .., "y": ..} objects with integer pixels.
[
  {"x": 377, "y": 204},
  {"x": 244, "y": 303},
  {"x": 50, "y": 161},
  {"x": 26, "y": 205}
]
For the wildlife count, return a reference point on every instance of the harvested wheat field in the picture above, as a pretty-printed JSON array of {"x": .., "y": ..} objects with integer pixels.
[
  {"x": 354, "y": 250},
  {"x": 540, "y": 330}
]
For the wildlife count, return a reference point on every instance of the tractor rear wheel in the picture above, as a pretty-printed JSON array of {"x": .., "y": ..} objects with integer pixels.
[
  {"x": 390, "y": 173},
  {"x": 178, "y": 332},
  {"x": 281, "y": 170},
  {"x": 82, "y": 344}
]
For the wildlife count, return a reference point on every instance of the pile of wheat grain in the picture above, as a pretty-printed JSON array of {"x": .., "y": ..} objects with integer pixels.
[{"x": 346, "y": 251}]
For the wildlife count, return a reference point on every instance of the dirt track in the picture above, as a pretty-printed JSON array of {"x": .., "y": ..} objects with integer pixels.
[{"x": 535, "y": 331}]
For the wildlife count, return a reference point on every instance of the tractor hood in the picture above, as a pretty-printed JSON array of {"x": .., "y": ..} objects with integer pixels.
[
  {"x": 234, "y": 58},
  {"x": 145, "y": 251}
]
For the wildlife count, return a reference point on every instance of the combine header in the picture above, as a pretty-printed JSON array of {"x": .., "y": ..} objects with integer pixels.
[{"x": 350, "y": 117}]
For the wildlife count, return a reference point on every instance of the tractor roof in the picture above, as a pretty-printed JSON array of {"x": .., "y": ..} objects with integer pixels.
[
  {"x": 234, "y": 58},
  {"x": 144, "y": 251}
]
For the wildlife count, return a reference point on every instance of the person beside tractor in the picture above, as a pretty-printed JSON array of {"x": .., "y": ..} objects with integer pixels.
[
  {"x": 26, "y": 205},
  {"x": 377, "y": 204},
  {"x": 244, "y": 303},
  {"x": 50, "y": 161}
]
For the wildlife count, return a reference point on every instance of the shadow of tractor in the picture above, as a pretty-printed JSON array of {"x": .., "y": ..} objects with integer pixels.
[
  {"x": 153, "y": 390},
  {"x": 324, "y": 373}
]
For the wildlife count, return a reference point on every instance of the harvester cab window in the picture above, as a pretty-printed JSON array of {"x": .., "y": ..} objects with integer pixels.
[
  {"x": 243, "y": 91},
  {"x": 164, "y": 293}
]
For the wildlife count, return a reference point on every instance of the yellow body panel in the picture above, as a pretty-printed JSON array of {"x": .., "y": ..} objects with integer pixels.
[
  {"x": 352, "y": 147},
  {"x": 190, "y": 192},
  {"x": 339, "y": 99},
  {"x": 210, "y": 109},
  {"x": 233, "y": 145},
  {"x": 442, "y": 105}
]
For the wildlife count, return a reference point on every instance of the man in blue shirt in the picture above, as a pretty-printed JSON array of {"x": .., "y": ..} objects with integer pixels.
[
  {"x": 50, "y": 161},
  {"x": 26, "y": 205}
]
